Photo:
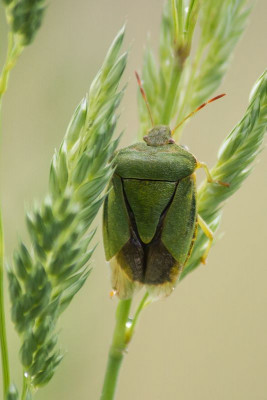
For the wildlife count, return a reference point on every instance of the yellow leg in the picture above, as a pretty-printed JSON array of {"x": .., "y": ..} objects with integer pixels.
[
  {"x": 112, "y": 294},
  {"x": 208, "y": 174},
  {"x": 208, "y": 232}
]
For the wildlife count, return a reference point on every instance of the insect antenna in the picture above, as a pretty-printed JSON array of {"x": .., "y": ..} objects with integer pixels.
[
  {"x": 196, "y": 110},
  {"x": 143, "y": 93}
]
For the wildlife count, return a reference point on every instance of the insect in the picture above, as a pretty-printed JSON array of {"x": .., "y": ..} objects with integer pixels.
[{"x": 150, "y": 215}]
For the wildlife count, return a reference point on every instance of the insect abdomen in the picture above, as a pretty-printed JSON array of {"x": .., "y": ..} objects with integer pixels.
[{"x": 157, "y": 262}]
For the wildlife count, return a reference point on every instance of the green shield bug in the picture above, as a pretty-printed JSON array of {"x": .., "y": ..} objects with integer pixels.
[{"x": 150, "y": 215}]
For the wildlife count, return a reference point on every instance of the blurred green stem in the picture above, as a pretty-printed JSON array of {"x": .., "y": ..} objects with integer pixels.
[
  {"x": 3, "y": 338},
  {"x": 183, "y": 110},
  {"x": 172, "y": 90},
  {"x": 25, "y": 387},
  {"x": 13, "y": 52},
  {"x": 117, "y": 350},
  {"x": 123, "y": 334},
  {"x": 144, "y": 302}
]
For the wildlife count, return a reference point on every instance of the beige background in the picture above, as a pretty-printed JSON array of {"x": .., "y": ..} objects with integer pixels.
[{"x": 208, "y": 340}]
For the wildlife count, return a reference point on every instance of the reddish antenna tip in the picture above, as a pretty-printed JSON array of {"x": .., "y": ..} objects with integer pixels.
[
  {"x": 217, "y": 97},
  {"x": 138, "y": 78},
  {"x": 197, "y": 109},
  {"x": 143, "y": 93}
]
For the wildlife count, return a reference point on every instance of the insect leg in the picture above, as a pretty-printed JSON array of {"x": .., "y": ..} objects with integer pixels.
[
  {"x": 208, "y": 174},
  {"x": 208, "y": 232}
]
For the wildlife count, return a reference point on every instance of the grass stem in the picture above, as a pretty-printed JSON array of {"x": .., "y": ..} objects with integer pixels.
[
  {"x": 117, "y": 350},
  {"x": 143, "y": 303},
  {"x": 3, "y": 337},
  {"x": 170, "y": 98},
  {"x": 13, "y": 52},
  {"x": 25, "y": 387}
]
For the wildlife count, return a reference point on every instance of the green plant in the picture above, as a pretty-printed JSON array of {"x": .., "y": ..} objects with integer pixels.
[{"x": 45, "y": 276}]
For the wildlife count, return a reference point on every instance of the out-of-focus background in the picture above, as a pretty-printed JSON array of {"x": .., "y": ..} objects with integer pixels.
[{"x": 207, "y": 340}]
